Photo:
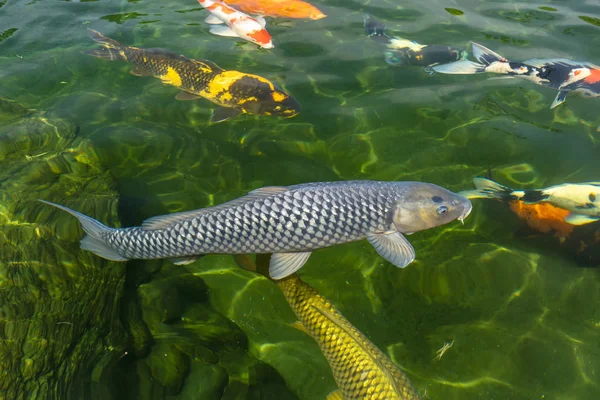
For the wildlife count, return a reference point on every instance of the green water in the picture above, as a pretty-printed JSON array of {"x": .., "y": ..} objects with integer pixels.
[{"x": 523, "y": 317}]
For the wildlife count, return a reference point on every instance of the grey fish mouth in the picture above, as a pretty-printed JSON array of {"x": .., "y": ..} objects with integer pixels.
[{"x": 465, "y": 214}]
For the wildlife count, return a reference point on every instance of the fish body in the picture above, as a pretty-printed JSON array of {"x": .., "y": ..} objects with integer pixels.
[
  {"x": 401, "y": 51},
  {"x": 236, "y": 92},
  {"x": 560, "y": 74},
  {"x": 360, "y": 369},
  {"x": 278, "y": 8},
  {"x": 237, "y": 23},
  {"x": 290, "y": 222},
  {"x": 581, "y": 200},
  {"x": 543, "y": 217}
]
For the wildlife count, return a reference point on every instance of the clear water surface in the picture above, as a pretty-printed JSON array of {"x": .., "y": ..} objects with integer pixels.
[{"x": 522, "y": 316}]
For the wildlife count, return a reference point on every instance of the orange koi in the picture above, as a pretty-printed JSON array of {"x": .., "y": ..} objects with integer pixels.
[{"x": 278, "y": 8}]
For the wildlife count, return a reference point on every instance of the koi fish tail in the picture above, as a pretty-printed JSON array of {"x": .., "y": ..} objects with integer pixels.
[
  {"x": 461, "y": 67},
  {"x": 96, "y": 231},
  {"x": 375, "y": 29},
  {"x": 110, "y": 49},
  {"x": 488, "y": 189}
]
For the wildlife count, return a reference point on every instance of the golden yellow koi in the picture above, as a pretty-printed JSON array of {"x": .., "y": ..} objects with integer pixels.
[{"x": 360, "y": 369}]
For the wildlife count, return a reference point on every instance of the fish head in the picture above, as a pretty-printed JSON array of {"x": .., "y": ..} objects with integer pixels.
[
  {"x": 276, "y": 102},
  {"x": 426, "y": 205},
  {"x": 260, "y": 36}
]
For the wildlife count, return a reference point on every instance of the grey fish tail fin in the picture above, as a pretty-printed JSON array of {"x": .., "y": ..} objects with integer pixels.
[
  {"x": 488, "y": 189},
  {"x": 110, "y": 49},
  {"x": 461, "y": 67},
  {"x": 94, "y": 240},
  {"x": 375, "y": 29}
]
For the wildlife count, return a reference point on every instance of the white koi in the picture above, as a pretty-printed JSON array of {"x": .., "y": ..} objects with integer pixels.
[{"x": 237, "y": 23}]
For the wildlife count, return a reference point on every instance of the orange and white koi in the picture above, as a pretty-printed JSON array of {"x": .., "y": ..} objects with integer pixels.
[
  {"x": 278, "y": 8},
  {"x": 237, "y": 23}
]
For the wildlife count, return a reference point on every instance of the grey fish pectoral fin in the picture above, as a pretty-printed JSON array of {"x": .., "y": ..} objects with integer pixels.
[
  {"x": 223, "y": 114},
  {"x": 93, "y": 241},
  {"x": 580, "y": 219},
  {"x": 185, "y": 96},
  {"x": 393, "y": 247},
  {"x": 285, "y": 264},
  {"x": 560, "y": 98},
  {"x": 185, "y": 260}
]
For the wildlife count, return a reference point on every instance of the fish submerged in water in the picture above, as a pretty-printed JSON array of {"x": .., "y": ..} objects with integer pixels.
[
  {"x": 290, "y": 222},
  {"x": 236, "y": 92},
  {"x": 407, "y": 52},
  {"x": 557, "y": 73},
  {"x": 278, "y": 8},
  {"x": 238, "y": 24},
  {"x": 581, "y": 200},
  {"x": 360, "y": 369}
]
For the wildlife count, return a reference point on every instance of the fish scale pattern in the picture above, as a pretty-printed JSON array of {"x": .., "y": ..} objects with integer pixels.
[
  {"x": 191, "y": 75},
  {"x": 303, "y": 218},
  {"x": 360, "y": 369}
]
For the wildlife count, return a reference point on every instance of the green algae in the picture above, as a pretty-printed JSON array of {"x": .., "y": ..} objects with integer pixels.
[{"x": 57, "y": 304}]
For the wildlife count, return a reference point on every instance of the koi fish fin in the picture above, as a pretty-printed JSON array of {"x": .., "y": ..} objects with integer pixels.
[
  {"x": 299, "y": 326},
  {"x": 580, "y": 219},
  {"x": 222, "y": 30},
  {"x": 185, "y": 96},
  {"x": 485, "y": 55},
  {"x": 212, "y": 20},
  {"x": 103, "y": 40},
  {"x": 462, "y": 67},
  {"x": 560, "y": 98},
  {"x": 488, "y": 189},
  {"x": 335, "y": 395},
  {"x": 140, "y": 71},
  {"x": 94, "y": 240},
  {"x": 393, "y": 247},
  {"x": 223, "y": 114},
  {"x": 285, "y": 264},
  {"x": 244, "y": 262},
  {"x": 395, "y": 58},
  {"x": 185, "y": 260},
  {"x": 261, "y": 20},
  {"x": 374, "y": 27}
]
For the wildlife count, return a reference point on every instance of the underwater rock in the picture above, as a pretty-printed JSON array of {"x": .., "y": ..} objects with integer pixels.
[{"x": 58, "y": 306}]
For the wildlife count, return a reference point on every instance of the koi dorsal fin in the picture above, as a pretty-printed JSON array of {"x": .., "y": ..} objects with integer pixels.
[{"x": 166, "y": 221}]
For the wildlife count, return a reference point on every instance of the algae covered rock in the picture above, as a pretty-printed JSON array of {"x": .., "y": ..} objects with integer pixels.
[{"x": 58, "y": 306}]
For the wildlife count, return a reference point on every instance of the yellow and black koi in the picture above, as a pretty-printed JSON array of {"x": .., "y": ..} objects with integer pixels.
[
  {"x": 236, "y": 92},
  {"x": 360, "y": 369}
]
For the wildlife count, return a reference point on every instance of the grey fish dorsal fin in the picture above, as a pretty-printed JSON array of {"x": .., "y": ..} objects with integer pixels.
[{"x": 165, "y": 221}]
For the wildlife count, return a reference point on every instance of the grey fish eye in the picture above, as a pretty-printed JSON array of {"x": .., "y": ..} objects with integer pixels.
[{"x": 442, "y": 210}]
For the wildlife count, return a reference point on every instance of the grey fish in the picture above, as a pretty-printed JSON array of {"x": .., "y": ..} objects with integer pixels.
[{"x": 289, "y": 222}]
